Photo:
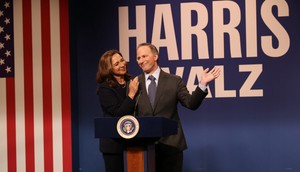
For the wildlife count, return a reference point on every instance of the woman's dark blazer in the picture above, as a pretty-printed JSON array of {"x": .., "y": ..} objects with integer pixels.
[
  {"x": 170, "y": 90},
  {"x": 113, "y": 105}
]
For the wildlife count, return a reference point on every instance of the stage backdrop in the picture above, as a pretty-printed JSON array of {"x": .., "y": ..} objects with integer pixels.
[{"x": 249, "y": 121}]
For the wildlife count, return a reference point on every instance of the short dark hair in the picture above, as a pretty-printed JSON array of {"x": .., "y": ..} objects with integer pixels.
[{"x": 151, "y": 46}]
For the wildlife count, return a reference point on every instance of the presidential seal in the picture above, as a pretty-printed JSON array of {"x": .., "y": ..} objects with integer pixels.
[{"x": 128, "y": 126}]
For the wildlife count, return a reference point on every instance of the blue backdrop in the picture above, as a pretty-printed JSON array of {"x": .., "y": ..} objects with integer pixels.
[{"x": 250, "y": 120}]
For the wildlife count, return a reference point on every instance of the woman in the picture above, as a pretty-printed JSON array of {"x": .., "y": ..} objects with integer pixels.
[{"x": 116, "y": 93}]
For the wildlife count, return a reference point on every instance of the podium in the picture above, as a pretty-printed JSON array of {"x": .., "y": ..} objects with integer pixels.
[{"x": 139, "y": 150}]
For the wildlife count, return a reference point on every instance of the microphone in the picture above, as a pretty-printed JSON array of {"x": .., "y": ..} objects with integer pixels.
[{"x": 137, "y": 100}]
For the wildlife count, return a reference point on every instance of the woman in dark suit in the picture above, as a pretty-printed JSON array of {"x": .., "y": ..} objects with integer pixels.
[{"x": 116, "y": 93}]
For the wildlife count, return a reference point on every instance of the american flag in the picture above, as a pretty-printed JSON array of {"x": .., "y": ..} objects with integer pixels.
[
  {"x": 35, "y": 112},
  {"x": 6, "y": 40}
]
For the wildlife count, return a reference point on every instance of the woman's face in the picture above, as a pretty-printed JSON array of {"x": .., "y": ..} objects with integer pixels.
[{"x": 118, "y": 65}]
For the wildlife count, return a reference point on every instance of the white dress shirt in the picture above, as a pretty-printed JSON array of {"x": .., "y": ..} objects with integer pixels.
[{"x": 156, "y": 75}]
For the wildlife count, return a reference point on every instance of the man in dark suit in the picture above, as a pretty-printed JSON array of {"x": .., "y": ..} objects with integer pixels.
[{"x": 169, "y": 90}]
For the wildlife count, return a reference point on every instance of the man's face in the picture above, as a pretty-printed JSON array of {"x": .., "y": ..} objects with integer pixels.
[{"x": 146, "y": 59}]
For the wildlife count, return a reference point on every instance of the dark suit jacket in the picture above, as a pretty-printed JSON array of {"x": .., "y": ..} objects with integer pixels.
[
  {"x": 113, "y": 104},
  {"x": 170, "y": 90}
]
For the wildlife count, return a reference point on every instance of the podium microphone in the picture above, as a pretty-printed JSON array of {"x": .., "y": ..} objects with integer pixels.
[{"x": 137, "y": 100}]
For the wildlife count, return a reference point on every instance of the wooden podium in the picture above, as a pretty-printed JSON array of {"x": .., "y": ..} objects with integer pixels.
[{"x": 140, "y": 150}]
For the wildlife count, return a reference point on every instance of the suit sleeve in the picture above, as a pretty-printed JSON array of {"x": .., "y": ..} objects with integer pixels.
[
  {"x": 113, "y": 104},
  {"x": 190, "y": 101}
]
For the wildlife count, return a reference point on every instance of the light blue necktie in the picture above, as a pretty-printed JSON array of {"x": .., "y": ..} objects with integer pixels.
[{"x": 152, "y": 90}]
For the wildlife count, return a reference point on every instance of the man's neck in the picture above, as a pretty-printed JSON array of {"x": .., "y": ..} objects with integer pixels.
[{"x": 153, "y": 70}]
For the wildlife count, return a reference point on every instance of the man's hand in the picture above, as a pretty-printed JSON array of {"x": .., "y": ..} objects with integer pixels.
[{"x": 207, "y": 76}]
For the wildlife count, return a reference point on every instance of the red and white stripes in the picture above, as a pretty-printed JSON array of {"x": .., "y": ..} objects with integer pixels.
[{"x": 35, "y": 112}]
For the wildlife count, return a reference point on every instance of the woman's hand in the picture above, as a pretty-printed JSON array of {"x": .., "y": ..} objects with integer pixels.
[{"x": 133, "y": 87}]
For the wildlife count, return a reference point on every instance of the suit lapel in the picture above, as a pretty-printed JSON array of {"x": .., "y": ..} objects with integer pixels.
[
  {"x": 160, "y": 88},
  {"x": 144, "y": 99}
]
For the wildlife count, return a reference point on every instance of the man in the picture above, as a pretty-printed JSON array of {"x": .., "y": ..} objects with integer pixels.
[{"x": 170, "y": 89}]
